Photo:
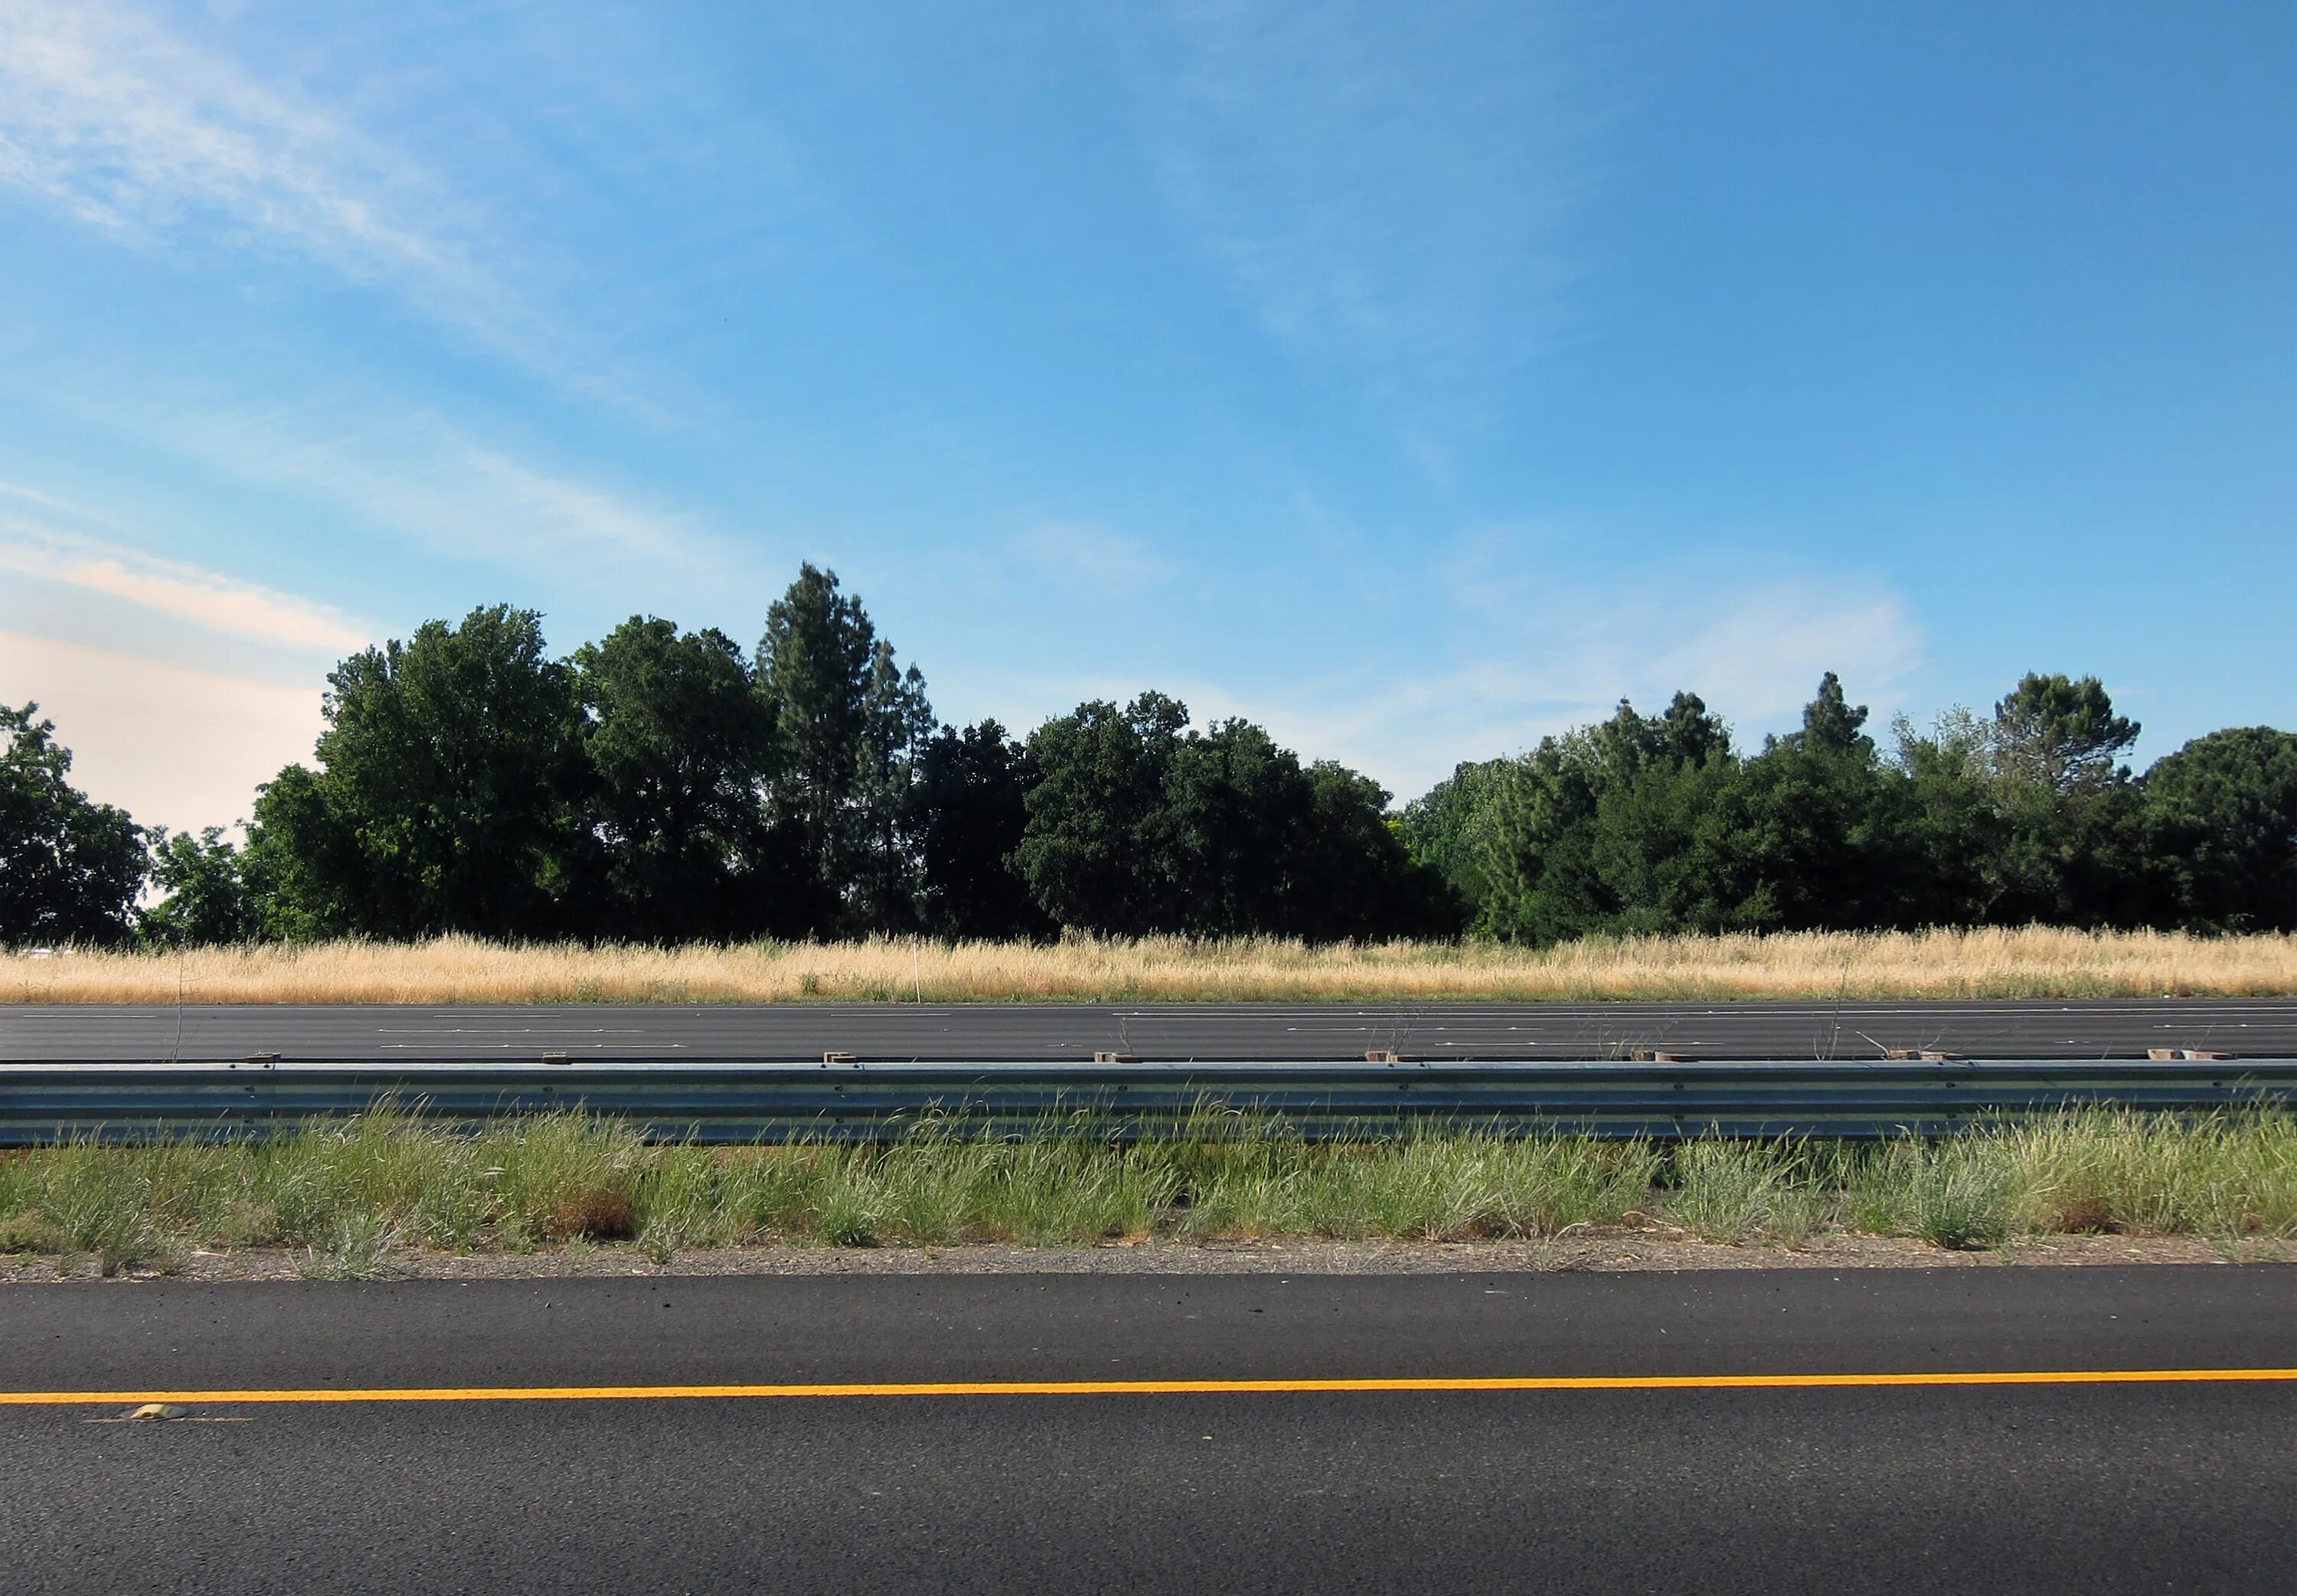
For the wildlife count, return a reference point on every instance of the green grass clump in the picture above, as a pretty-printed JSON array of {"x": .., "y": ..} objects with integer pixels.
[
  {"x": 353, "y": 1194},
  {"x": 2218, "y": 1175},
  {"x": 1730, "y": 1191},
  {"x": 1429, "y": 1185}
]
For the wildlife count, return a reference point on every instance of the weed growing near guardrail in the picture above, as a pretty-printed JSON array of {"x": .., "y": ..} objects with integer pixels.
[{"x": 351, "y": 1194}]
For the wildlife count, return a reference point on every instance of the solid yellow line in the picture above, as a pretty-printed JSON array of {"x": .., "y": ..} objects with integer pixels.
[{"x": 1629, "y": 1382}]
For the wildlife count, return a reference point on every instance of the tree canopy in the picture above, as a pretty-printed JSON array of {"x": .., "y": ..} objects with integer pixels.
[
  {"x": 70, "y": 868},
  {"x": 657, "y": 785}
]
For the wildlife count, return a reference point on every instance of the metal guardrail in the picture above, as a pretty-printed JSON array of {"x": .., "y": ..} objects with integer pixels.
[{"x": 737, "y": 1102}]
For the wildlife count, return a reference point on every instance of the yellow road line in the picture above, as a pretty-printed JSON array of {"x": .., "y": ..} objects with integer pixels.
[{"x": 1628, "y": 1382}]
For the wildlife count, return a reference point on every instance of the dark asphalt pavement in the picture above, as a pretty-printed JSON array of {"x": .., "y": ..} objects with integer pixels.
[
  {"x": 2089, "y": 1488},
  {"x": 1042, "y": 1033}
]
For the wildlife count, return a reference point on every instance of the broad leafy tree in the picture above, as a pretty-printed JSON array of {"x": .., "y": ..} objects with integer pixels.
[
  {"x": 70, "y": 868},
  {"x": 450, "y": 792},
  {"x": 1352, "y": 877},
  {"x": 1447, "y": 830},
  {"x": 970, "y": 808},
  {"x": 1596, "y": 829},
  {"x": 208, "y": 901},
  {"x": 2222, "y": 813},
  {"x": 681, "y": 744},
  {"x": 1095, "y": 850},
  {"x": 1137, "y": 825}
]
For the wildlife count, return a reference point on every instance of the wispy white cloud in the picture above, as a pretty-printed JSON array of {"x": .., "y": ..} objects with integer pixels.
[
  {"x": 46, "y": 501},
  {"x": 172, "y": 745},
  {"x": 1384, "y": 185},
  {"x": 128, "y": 127},
  {"x": 114, "y": 118},
  {"x": 206, "y": 598},
  {"x": 464, "y": 495},
  {"x": 1079, "y": 554}
]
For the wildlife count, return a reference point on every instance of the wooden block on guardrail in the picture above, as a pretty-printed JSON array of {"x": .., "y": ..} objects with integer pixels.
[
  {"x": 2198, "y": 1055},
  {"x": 840, "y": 1058},
  {"x": 1117, "y": 1058},
  {"x": 2163, "y": 1053},
  {"x": 557, "y": 1058}
]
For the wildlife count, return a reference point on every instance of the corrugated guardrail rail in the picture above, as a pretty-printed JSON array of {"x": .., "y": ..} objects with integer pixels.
[{"x": 740, "y": 1102}]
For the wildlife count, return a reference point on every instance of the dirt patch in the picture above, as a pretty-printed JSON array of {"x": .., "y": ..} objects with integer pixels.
[{"x": 1595, "y": 1251}]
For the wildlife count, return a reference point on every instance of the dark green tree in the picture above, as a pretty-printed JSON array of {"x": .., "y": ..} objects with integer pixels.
[
  {"x": 897, "y": 723},
  {"x": 849, "y": 723},
  {"x": 681, "y": 744},
  {"x": 1832, "y": 726},
  {"x": 1095, "y": 850},
  {"x": 1352, "y": 877},
  {"x": 1593, "y": 830},
  {"x": 1448, "y": 830},
  {"x": 1818, "y": 825},
  {"x": 1224, "y": 839},
  {"x": 209, "y": 902},
  {"x": 1137, "y": 826},
  {"x": 2222, "y": 819},
  {"x": 2057, "y": 734},
  {"x": 450, "y": 796},
  {"x": 2066, "y": 849},
  {"x": 70, "y": 868},
  {"x": 970, "y": 808},
  {"x": 1952, "y": 826}
]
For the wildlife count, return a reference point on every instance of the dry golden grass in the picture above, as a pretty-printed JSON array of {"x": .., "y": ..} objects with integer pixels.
[{"x": 2031, "y": 963}]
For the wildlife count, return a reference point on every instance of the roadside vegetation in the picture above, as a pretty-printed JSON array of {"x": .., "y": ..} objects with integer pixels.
[
  {"x": 671, "y": 788},
  {"x": 348, "y": 1196},
  {"x": 1813, "y": 965}
]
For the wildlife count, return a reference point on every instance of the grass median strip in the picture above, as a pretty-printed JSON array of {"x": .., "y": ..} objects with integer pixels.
[
  {"x": 351, "y": 1195},
  {"x": 1214, "y": 1387}
]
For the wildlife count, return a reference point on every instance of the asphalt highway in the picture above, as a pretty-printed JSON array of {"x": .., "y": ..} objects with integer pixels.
[
  {"x": 1055, "y": 1033},
  {"x": 2069, "y": 1485}
]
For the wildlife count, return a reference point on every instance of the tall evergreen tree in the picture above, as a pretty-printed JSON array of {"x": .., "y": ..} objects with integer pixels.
[
  {"x": 850, "y": 722},
  {"x": 897, "y": 723},
  {"x": 2059, "y": 735}
]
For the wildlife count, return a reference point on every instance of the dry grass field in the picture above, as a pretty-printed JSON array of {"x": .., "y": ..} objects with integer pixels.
[{"x": 2029, "y": 963}]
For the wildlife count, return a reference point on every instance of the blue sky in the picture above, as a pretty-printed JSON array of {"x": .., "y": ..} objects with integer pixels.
[{"x": 1414, "y": 380}]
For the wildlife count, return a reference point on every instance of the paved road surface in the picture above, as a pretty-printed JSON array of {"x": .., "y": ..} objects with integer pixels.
[
  {"x": 2094, "y": 1487},
  {"x": 2251, "y": 1028}
]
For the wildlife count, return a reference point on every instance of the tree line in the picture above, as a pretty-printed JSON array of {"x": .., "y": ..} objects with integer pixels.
[
  {"x": 1658, "y": 823},
  {"x": 663, "y": 785}
]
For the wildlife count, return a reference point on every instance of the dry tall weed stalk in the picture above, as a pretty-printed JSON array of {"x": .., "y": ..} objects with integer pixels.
[{"x": 2028, "y": 962}]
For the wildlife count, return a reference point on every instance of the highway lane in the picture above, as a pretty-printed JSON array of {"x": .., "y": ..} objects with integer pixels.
[
  {"x": 1055, "y": 1033},
  {"x": 2054, "y": 1488}
]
